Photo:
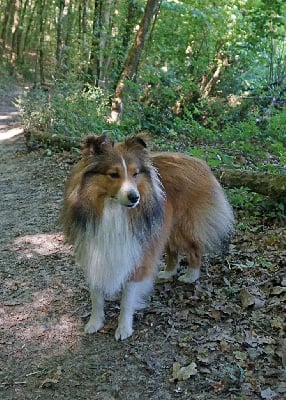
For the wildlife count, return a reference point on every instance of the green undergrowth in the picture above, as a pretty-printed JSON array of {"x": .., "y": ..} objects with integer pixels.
[
  {"x": 254, "y": 208},
  {"x": 57, "y": 118}
]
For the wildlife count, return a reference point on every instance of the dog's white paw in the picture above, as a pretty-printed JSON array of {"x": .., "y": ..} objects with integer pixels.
[
  {"x": 93, "y": 325},
  {"x": 190, "y": 276},
  {"x": 166, "y": 275},
  {"x": 123, "y": 332}
]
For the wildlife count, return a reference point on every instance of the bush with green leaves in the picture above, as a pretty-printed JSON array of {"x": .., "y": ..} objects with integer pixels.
[
  {"x": 72, "y": 109},
  {"x": 69, "y": 109}
]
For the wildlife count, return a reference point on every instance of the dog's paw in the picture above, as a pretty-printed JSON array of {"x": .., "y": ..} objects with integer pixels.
[
  {"x": 123, "y": 332},
  {"x": 93, "y": 326},
  {"x": 190, "y": 276},
  {"x": 165, "y": 275}
]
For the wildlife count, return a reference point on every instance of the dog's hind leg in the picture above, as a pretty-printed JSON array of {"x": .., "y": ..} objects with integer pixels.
[
  {"x": 96, "y": 320},
  {"x": 194, "y": 261},
  {"x": 132, "y": 299},
  {"x": 172, "y": 263}
]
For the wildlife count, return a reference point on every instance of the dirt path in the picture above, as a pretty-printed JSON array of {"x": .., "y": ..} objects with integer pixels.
[
  {"x": 44, "y": 354},
  {"x": 233, "y": 352}
]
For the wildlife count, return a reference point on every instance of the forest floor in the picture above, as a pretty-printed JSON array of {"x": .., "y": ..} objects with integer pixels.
[{"x": 223, "y": 338}]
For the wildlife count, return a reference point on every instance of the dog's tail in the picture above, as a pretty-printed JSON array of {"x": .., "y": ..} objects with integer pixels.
[{"x": 215, "y": 225}]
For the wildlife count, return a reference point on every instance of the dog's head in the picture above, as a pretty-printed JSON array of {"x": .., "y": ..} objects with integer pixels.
[{"x": 119, "y": 172}]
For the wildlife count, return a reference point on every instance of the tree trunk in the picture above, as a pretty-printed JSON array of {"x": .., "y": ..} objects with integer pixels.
[
  {"x": 7, "y": 23},
  {"x": 20, "y": 32},
  {"x": 94, "y": 60},
  {"x": 84, "y": 31},
  {"x": 132, "y": 61},
  {"x": 68, "y": 37},
  {"x": 267, "y": 184},
  {"x": 208, "y": 83},
  {"x": 15, "y": 34},
  {"x": 60, "y": 38},
  {"x": 29, "y": 27},
  {"x": 132, "y": 9},
  {"x": 105, "y": 33},
  {"x": 98, "y": 64},
  {"x": 42, "y": 4}
]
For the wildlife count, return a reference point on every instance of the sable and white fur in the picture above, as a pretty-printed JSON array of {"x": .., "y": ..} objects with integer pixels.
[{"x": 123, "y": 206}]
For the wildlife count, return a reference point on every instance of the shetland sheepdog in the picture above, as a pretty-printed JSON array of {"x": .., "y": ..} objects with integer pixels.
[{"x": 124, "y": 205}]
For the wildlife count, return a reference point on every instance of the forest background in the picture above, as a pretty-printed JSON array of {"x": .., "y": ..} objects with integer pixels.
[{"x": 205, "y": 77}]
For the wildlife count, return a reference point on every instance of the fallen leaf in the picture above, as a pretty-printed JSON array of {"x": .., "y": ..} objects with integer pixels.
[
  {"x": 203, "y": 356},
  {"x": 250, "y": 338},
  {"x": 267, "y": 394},
  {"x": 278, "y": 323},
  {"x": 281, "y": 351},
  {"x": 215, "y": 314},
  {"x": 48, "y": 382},
  {"x": 253, "y": 298},
  {"x": 224, "y": 346},
  {"x": 183, "y": 373},
  {"x": 185, "y": 342},
  {"x": 278, "y": 290},
  {"x": 218, "y": 387},
  {"x": 281, "y": 388},
  {"x": 259, "y": 303},
  {"x": 246, "y": 298},
  {"x": 240, "y": 355}
]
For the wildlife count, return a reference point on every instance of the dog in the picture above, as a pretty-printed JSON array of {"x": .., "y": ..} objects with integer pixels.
[{"x": 124, "y": 205}]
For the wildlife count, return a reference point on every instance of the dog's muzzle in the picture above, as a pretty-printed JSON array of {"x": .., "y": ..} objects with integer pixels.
[{"x": 133, "y": 198}]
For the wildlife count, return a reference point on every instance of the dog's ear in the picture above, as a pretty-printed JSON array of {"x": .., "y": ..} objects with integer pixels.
[
  {"x": 95, "y": 145},
  {"x": 140, "y": 141}
]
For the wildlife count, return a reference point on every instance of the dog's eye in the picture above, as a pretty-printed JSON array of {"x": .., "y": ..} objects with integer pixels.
[
  {"x": 114, "y": 175},
  {"x": 135, "y": 175}
]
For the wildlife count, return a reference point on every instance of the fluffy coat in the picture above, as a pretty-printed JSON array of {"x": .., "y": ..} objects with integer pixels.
[{"x": 123, "y": 206}]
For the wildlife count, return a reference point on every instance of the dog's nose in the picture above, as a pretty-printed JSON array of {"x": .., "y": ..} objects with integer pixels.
[{"x": 133, "y": 197}]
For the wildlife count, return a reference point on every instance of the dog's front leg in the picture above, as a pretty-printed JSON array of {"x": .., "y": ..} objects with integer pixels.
[
  {"x": 96, "y": 320},
  {"x": 132, "y": 299}
]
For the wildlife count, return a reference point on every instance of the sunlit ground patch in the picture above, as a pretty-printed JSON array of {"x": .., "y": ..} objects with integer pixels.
[{"x": 40, "y": 244}]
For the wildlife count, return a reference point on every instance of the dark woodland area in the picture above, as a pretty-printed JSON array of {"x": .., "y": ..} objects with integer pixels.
[{"x": 201, "y": 77}]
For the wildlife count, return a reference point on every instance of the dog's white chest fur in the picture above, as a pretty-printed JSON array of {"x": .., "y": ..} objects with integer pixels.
[{"x": 109, "y": 252}]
